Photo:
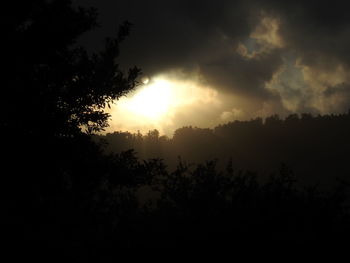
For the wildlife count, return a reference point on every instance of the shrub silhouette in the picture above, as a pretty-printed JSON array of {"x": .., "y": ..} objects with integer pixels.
[{"x": 198, "y": 206}]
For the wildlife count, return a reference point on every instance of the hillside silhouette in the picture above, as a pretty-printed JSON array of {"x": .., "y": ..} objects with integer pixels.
[
  {"x": 316, "y": 148},
  {"x": 66, "y": 193}
]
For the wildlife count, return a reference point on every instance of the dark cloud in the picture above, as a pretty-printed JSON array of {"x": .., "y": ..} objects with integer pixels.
[
  {"x": 314, "y": 29},
  {"x": 205, "y": 36},
  {"x": 338, "y": 97},
  {"x": 246, "y": 77}
]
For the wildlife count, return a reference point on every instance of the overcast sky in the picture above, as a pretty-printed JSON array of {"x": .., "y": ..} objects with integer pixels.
[{"x": 261, "y": 57}]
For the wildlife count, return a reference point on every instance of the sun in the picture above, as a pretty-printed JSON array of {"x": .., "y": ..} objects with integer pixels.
[
  {"x": 151, "y": 101},
  {"x": 164, "y": 102}
]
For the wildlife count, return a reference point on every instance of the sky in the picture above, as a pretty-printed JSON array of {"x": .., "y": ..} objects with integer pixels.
[{"x": 210, "y": 62}]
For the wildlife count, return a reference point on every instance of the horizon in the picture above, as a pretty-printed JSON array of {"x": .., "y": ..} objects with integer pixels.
[
  {"x": 110, "y": 130},
  {"x": 233, "y": 59}
]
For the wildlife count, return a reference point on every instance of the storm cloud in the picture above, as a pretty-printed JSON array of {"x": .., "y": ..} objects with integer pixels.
[{"x": 263, "y": 57}]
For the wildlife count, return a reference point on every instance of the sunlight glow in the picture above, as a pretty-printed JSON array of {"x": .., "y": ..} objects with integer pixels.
[
  {"x": 145, "y": 80},
  {"x": 164, "y": 102},
  {"x": 152, "y": 101}
]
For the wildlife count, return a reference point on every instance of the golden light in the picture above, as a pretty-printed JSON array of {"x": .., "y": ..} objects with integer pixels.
[
  {"x": 145, "y": 80},
  {"x": 151, "y": 101},
  {"x": 163, "y": 102}
]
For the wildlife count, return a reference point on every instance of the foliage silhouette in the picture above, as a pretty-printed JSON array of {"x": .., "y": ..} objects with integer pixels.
[
  {"x": 54, "y": 94},
  {"x": 58, "y": 87},
  {"x": 198, "y": 206}
]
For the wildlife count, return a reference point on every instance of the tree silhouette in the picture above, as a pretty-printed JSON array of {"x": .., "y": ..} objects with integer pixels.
[
  {"x": 54, "y": 93},
  {"x": 57, "y": 87},
  {"x": 313, "y": 145}
]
